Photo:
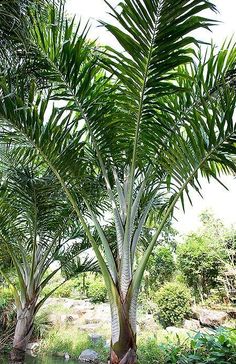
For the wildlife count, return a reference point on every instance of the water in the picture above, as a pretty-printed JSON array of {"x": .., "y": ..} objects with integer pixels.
[{"x": 44, "y": 360}]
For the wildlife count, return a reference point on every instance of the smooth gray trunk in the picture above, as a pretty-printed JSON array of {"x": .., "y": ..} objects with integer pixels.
[{"x": 23, "y": 332}]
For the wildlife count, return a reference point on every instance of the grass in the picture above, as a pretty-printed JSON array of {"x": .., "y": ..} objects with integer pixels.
[{"x": 70, "y": 340}]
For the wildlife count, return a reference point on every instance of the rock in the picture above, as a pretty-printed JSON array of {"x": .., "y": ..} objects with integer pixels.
[
  {"x": 65, "y": 319},
  {"x": 192, "y": 325},
  {"x": 89, "y": 356},
  {"x": 67, "y": 356},
  {"x": 232, "y": 313},
  {"x": 147, "y": 322},
  {"x": 92, "y": 320},
  {"x": 32, "y": 347},
  {"x": 211, "y": 318},
  {"x": 53, "y": 318},
  {"x": 60, "y": 354},
  {"x": 230, "y": 325},
  {"x": 95, "y": 338},
  {"x": 176, "y": 330},
  {"x": 107, "y": 344},
  {"x": 89, "y": 327}
]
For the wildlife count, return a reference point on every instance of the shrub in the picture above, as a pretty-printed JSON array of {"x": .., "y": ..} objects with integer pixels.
[
  {"x": 66, "y": 290},
  {"x": 173, "y": 301},
  {"x": 161, "y": 267},
  {"x": 7, "y": 310},
  {"x": 6, "y": 297},
  {"x": 150, "y": 352},
  {"x": 96, "y": 290},
  {"x": 41, "y": 325},
  {"x": 218, "y": 348},
  {"x": 199, "y": 264}
]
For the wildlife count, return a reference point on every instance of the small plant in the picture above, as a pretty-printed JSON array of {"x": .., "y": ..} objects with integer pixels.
[
  {"x": 150, "y": 352},
  {"x": 216, "y": 348},
  {"x": 220, "y": 348},
  {"x": 173, "y": 301},
  {"x": 41, "y": 326}
]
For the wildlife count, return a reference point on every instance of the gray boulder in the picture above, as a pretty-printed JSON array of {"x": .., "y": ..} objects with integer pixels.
[
  {"x": 95, "y": 338},
  {"x": 211, "y": 318},
  {"x": 67, "y": 356},
  {"x": 176, "y": 330},
  {"x": 193, "y": 325},
  {"x": 32, "y": 349},
  {"x": 89, "y": 356}
]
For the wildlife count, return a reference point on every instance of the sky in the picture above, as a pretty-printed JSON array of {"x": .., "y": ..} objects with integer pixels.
[{"x": 215, "y": 198}]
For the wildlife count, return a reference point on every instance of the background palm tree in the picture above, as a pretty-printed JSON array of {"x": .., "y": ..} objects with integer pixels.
[
  {"x": 37, "y": 228},
  {"x": 139, "y": 127}
]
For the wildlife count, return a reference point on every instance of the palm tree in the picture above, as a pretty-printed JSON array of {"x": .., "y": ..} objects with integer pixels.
[
  {"x": 37, "y": 228},
  {"x": 14, "y": 25},
  {"x": 141, "y": 125}
]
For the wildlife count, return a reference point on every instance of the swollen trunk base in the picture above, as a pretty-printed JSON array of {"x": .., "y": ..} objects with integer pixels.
[{"x": 129, "y": 358}]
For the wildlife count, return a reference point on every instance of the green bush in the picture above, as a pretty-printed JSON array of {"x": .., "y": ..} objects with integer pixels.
[
  {"x": 7, "y": 310},
  {"x": 174, "y": 302},
  {"x": 220, "y": 348},
  {"x": 161, "y": 267},
  {"x": 6, "y": 296},
  {"x": 66, "y": 290},
  {"x": 150, "y": 352},
  {"x": 216, "y": 348},
  {"x": 96, "y": 290},
  {"x": 199, "y": 263}
]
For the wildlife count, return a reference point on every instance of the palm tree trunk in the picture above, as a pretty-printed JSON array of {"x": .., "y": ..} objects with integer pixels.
[
  {"x": 23, "y": 332},
  {"x": 123, "y": 343}
]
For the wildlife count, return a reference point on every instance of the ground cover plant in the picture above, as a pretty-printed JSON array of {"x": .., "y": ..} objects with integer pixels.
[{"x": 132, "y": 130}]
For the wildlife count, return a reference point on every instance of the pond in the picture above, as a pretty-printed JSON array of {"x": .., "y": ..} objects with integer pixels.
[{"x": 44, "y": 360}]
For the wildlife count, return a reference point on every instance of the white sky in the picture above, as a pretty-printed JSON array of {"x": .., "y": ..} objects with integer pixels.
[{"x": 216, "y": 198}]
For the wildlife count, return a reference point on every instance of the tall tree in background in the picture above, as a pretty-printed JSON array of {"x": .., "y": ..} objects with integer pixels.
[
  {"x": 142, "y": 124},
  {"x": 37, "y": 228}
]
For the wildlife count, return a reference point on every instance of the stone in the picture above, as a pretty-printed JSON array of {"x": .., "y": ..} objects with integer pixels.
[
  {"x": 67, "y": 356},
  {"x": 60, "y": 354},
  {"x": 89, "y": 327},
  {"x": 53, "y": 318},
  {"x": 107, "y": 344},
  {"x": 176, "y": 330},
  {"x": 32, "y": 347},
  {"x": 192, "y": 325},
  {"x": 232, "y": 313},
  {"x": 211, "y": 318},
  {"x": 147, "y": 322},
  {"x": 95, "y": 338},
  {"x": 89, "y": 356}
]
